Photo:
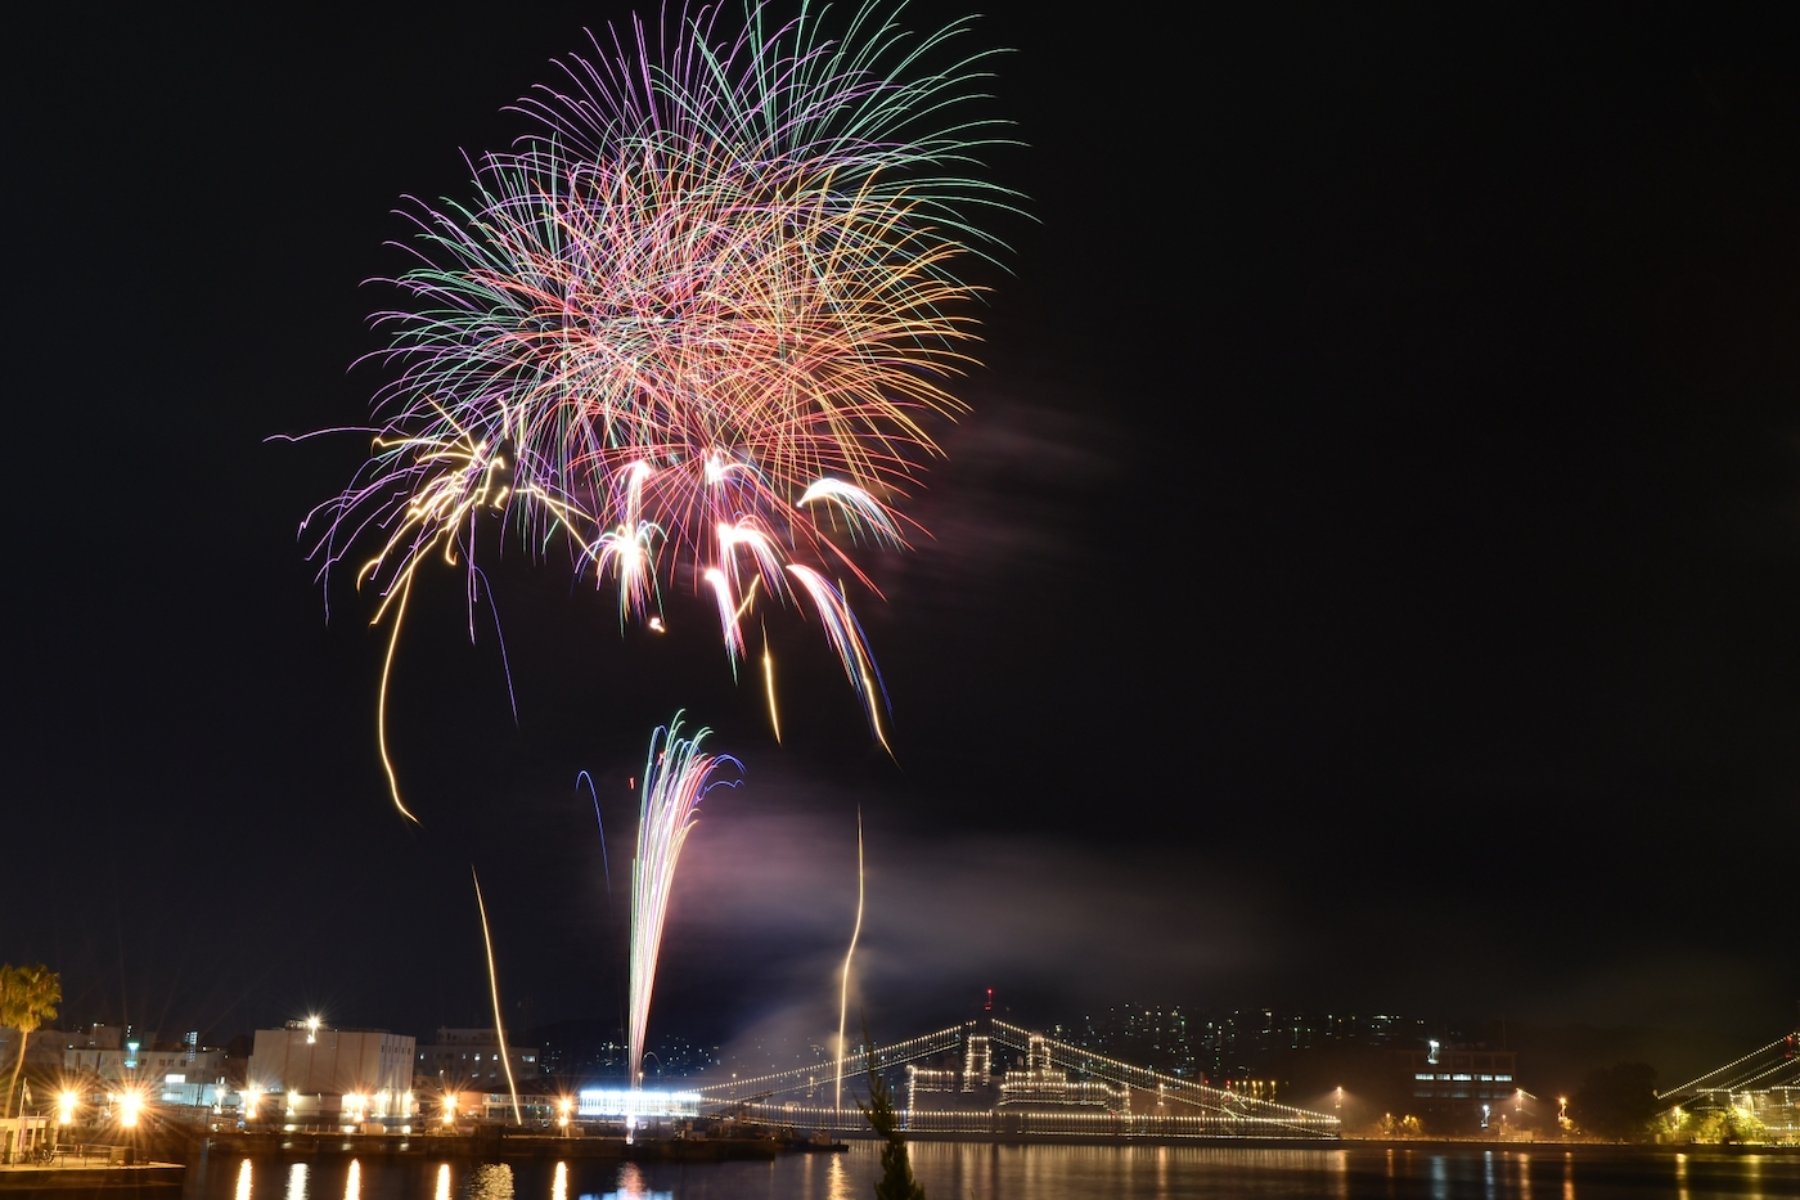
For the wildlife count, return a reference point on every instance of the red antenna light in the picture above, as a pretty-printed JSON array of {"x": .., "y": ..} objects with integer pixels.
[{"x": 989, "y": 1006}]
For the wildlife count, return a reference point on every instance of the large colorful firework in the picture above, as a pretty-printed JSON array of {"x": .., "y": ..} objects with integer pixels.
[
  {"x": 677, "y": 776},
  {"x": 692, "y": 327}
]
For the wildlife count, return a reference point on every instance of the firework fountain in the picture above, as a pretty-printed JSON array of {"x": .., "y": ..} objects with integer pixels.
[{"x": 677, "y": 776}]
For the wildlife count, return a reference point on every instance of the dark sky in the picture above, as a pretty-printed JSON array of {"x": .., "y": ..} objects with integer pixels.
[{"x": 1366, "y": 578}]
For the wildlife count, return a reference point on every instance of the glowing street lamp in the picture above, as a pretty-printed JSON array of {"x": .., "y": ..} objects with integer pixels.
[
  {"x": 449, "y": 1109},
  {"x": 312, "y": 1030},
  {"x": 250, "y": 1097},
  {"x": 562, "y": 1114},
  {"x": 131, "y": 1105},
  {"x": 65, "y": 1107}
]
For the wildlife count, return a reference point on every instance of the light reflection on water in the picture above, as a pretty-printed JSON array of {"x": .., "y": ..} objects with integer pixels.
[
  {"x": 491, "y": 1181},
  {"x": 837, "y": 1179},
  {"x": 994, "y": 1172},
  {"x": 631, "y": 1184}
]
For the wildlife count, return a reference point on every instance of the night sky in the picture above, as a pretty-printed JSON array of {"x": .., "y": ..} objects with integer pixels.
[{"x": 1366, "y": 578}]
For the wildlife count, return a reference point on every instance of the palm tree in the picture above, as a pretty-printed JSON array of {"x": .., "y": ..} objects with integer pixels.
[{"x": 28, "y": 997}]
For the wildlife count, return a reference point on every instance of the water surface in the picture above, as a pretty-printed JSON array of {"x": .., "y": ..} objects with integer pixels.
[{"x": 980, "y": 1171}]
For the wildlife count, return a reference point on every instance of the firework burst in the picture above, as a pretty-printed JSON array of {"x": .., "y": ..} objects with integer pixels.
[{"x": 692, "y": 328}]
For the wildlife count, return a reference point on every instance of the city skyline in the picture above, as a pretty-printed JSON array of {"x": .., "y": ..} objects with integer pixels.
[
  {"x": 1365, "y": 574},
  {"x": 1319, "y": 1061}
]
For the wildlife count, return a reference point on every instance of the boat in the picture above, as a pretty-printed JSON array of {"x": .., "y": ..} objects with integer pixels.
[{"x": 818, "y": 1141}]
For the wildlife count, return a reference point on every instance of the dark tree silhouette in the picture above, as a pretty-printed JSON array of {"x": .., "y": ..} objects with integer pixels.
[
  {"x": 1617, "y": 1101},
  {"x": 896, "y": 1182}
]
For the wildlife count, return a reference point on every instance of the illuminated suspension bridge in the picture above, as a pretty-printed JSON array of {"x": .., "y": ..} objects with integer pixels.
[
  {"x": 1763, "y": 1084},
  {"x": 990, "y": 1078}
]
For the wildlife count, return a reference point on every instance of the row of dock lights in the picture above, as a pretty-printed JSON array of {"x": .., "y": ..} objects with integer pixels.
[
  {"x": 564, "y": 1110},
  {"x": 130, "y": 1104}
]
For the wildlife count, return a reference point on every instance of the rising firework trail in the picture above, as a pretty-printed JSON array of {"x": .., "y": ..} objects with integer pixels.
[
  {"x": 494, "y": 993},
  {"x": 837, "y": 1102},
  {"x": 677, "y": 776},
  {"x": 691, "y": 329}
]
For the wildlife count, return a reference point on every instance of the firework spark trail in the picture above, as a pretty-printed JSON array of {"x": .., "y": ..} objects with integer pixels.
[
  {"x": 494, "y": 992},
  {"x": 677, "y": 776},
  {"x": 692, "y": 327},
  {"x": 582, "y": 777},
  {"x": 456, "y": 475},
  {"x": 837, "y": 1103}
]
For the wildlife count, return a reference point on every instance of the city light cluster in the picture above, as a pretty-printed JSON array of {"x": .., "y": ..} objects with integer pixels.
[{"x": 636, "y": 1102}]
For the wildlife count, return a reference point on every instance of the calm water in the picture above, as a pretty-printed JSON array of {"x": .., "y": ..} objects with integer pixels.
[{"x": 971, "y": 1171}]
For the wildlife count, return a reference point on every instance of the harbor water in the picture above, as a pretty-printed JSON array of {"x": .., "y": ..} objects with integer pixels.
[{"x": 982, "y": 1171}]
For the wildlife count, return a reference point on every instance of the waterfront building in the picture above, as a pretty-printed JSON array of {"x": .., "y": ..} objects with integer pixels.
[
  {"x": 152, "y": 1068},
  {"x": 22, "y": 1134},
  {"x": 473, "y": 1059},
  {"x": 307, "y": 1073},
  {"x": 1462, "y": 1089}
]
